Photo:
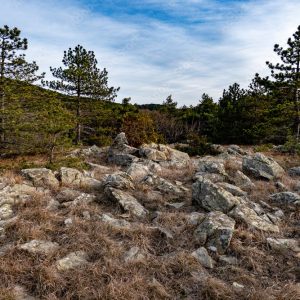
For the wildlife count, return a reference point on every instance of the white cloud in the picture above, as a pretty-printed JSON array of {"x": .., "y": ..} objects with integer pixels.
[{"x": 151, "y": 59}]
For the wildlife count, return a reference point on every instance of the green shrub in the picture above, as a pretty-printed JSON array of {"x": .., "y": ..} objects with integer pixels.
[
  {"x": 263, "y": 148},
  {"x": 198, "y": 145},
  {"x": 69, "y": 162}
]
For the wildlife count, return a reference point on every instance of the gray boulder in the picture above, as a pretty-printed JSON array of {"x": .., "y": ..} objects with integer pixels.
[
  {"x": 137, "y": 172},
  {"x": 126, "y": 201},
  {"x": 233, "y": 189},
  {"x": 242, "y": 181},
  {"x": 215, "y": 167},
  {"x": 163, "y": 185},
  {"x": 119, "y": 180},
  {"x": 284, "y": 244},
  {"x": 215, "y": 231},
  {"x": 249, "y": 216},
  {"x": 294, "y": 171},
  {"x": 165, "y": 155},
  {"x": 41, "y": 177},
  {"x": 285, "y": 197},
  {"x": 213, "y": 197},
  {"x": 74, "y": 178},
  {"x": 261, "y": 166}
]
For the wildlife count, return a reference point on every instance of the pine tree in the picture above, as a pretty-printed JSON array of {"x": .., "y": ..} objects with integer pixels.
[
  {"x": 287, "y": 73},
  {"x": 81, "y": 78},
  {"x": 13, "y": 67}
]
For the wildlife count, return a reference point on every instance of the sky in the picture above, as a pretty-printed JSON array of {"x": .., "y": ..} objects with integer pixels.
[{"x": 154, "y": 48}]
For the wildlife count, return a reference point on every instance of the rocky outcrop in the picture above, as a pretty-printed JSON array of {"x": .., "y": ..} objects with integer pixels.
[
  {"x": 126, "y": 201},
  {"x": 41, "y": 177},
  {"x": 294, "y": 172},
  {"x": 215, "y": 231},
  {"x": 261, "y": 166},
  {"x": 234, "y": 190},
  {"x": 163, "y": 185},
  {"x": 285, "y": 198},
  {"x": 74, "y": 178},
  {"x": 213, "y": 197},
  {"x": 119, "y": 180},
  {"x": 137, "y": 172},
  {"x": 249, "y": 216},
  {"x": 120, "y": 153},
  {"x": 284, "y": 245},
  {"x": 166, "y": 156},
  {"x": 242, "y": 181}
]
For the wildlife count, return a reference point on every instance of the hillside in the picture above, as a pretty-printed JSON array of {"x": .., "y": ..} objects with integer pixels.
[{"x": 152, "y": 223}]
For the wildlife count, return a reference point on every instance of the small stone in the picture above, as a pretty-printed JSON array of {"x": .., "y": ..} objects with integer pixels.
[
  {"x": 231, "y": 260},
  {"x": 68, "y": 221},
  {"x": 73, "y": 260},
  {"x": 40, "y": 247},
  {"x": 6, "y": 211},
  {"x": 133, "y": 254},
  {"x": 237, "y": 286},
  {"x": 86, "y": 215},
  {"x": 203, "y": 257}
]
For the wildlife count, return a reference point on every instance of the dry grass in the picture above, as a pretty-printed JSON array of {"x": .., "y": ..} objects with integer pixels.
[{"x": 168, "y": 271}]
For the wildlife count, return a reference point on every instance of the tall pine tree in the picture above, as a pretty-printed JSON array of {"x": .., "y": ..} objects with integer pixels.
[
  {"x": 13, "y": 67},
  {"x": 287, "y": 74}
]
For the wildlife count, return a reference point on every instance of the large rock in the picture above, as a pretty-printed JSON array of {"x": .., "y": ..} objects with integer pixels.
[
  {"x": 215, "y": 231},
  {"x": 126, "y": 201},
  {"x": 18, "y": 193},
  {"x": 249, "y": 216},
  {"x": 285, "y": 198},
  {"x": 120, "y": 153},
  {"x": 137, "y": 171},
  {"x": 242, "y": 181},
  {"x": 119, "y": 180},
  {"x": 41, "y": 177},
  {"x": 212, "y": 197},
  {"x": 166, "y": 156},
  {"x": 74, "y": 178},
  {"x": 234, "y": 190},
  {"x": 163, "y": 185},
  {"x": 73, "y": 260},
  {"x": 215, "y": 167},
  {"x": 284, "y": 244},
  {"x": 40, "y": 247},
  {"x": 294, "y": 171},
  {"x": 261, "y": 166}
]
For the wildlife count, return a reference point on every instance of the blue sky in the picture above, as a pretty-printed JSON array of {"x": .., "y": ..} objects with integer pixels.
[{"x": 154, "y": 48}]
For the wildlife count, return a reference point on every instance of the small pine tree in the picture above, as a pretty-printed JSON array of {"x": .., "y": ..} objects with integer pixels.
[{"x": 81, "y": 78}]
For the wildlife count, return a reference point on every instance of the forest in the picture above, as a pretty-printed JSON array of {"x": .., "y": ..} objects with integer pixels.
[{"x": 78, "y": 106}]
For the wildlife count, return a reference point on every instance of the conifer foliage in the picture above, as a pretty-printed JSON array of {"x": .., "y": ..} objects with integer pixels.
[{"x": 81, "y": 77}]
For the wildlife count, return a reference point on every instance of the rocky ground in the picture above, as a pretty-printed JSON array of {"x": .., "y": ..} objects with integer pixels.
[{"x": 152, "y": 223}]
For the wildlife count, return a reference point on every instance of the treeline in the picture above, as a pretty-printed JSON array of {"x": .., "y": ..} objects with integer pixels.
[{"x": 77, "y": 107}]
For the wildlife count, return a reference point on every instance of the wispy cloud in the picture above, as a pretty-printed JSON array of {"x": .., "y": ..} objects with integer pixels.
[{"x": 153, "y": 48}]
